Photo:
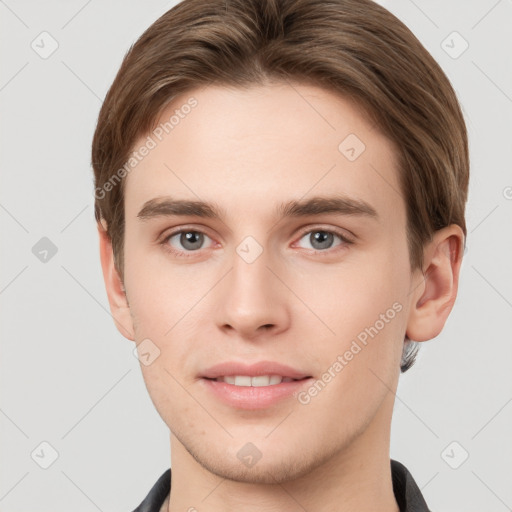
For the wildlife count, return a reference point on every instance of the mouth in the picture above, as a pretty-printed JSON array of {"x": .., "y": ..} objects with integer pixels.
[
  {"x": 261, "y": 373},
  {"x": 254, "y": 381},
  {"x": 256, "y": 386}
]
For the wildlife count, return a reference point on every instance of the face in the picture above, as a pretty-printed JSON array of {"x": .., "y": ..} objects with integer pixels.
[{"x": 292, "y": 262}]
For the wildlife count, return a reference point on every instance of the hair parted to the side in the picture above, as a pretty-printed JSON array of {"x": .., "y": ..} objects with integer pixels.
[{"x": 355, "y": 48}]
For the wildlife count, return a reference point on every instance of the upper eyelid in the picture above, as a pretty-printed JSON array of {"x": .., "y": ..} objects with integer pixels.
[
  {"x": 180, "y": 230},
  {"x": 336, "y": 231}
]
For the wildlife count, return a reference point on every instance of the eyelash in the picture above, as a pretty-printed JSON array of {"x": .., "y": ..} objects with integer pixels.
[{"x": 188, "y": 254}]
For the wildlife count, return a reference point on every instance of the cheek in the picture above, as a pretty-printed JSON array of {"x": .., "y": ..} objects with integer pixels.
[
  {"x": 361, "y": 312},
  {"x": 345, "y": 299},
  {"x": 360, "y": 362},
  {"x": 160, "y": 293}
]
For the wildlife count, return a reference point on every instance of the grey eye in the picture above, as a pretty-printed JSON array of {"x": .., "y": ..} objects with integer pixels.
[
  {"x": 188, "y": 240},
  {"x": 319, "y": 239}
]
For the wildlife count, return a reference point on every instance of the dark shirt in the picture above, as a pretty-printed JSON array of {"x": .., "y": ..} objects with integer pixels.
[{"x": 407, "y": 494}]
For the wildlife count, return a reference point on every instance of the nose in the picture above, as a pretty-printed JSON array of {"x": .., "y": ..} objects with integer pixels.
[{"x": 252, "y": 300}]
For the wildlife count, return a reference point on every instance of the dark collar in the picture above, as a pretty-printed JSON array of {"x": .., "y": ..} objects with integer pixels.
[{"x": 407, "y": 494}]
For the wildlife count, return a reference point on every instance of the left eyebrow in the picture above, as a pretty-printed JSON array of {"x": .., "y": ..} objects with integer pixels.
[{"x": 341, "y": 205}]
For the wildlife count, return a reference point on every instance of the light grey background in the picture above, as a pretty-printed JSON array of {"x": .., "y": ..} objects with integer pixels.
[{"x": 70, "y": 379}]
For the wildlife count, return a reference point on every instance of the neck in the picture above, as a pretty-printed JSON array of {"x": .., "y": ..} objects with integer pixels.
[{"x": 357, "y": 477}]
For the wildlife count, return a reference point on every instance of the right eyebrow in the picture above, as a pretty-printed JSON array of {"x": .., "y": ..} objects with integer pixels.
[{"x": 167, "y": 206}]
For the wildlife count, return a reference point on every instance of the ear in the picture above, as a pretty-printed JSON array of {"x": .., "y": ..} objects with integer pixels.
[
  {"x": 434, "y": 296},
  {"x": 114, "y": 286}
]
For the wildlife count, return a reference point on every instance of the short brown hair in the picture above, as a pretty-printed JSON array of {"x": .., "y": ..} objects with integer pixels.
[{"x": 355, "y": 48}]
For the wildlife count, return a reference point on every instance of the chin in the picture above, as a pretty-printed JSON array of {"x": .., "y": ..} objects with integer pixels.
[
  {"x": 274, "y": 468},
  {"x": 261, "y": 473}
]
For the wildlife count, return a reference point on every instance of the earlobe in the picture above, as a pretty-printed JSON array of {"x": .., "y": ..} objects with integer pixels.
[
  {"x": 433, "y": 300},
  {"x": 114, "y": 286}
]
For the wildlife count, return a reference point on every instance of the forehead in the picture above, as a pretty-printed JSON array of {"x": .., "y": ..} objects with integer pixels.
[{"x": 233, "y": 144}]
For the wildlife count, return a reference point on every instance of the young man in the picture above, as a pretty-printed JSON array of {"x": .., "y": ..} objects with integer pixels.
[{"x": 280, "y": 194}]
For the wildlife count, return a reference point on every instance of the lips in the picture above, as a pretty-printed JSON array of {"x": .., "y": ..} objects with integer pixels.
[
  {"x": 256, "y": 381},
  {"x": 257, "y": 374},
  {"x": 253, "y": 386}
]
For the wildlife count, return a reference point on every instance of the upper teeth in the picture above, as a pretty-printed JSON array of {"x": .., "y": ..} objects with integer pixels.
[{"x": 247, "y": 380}]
